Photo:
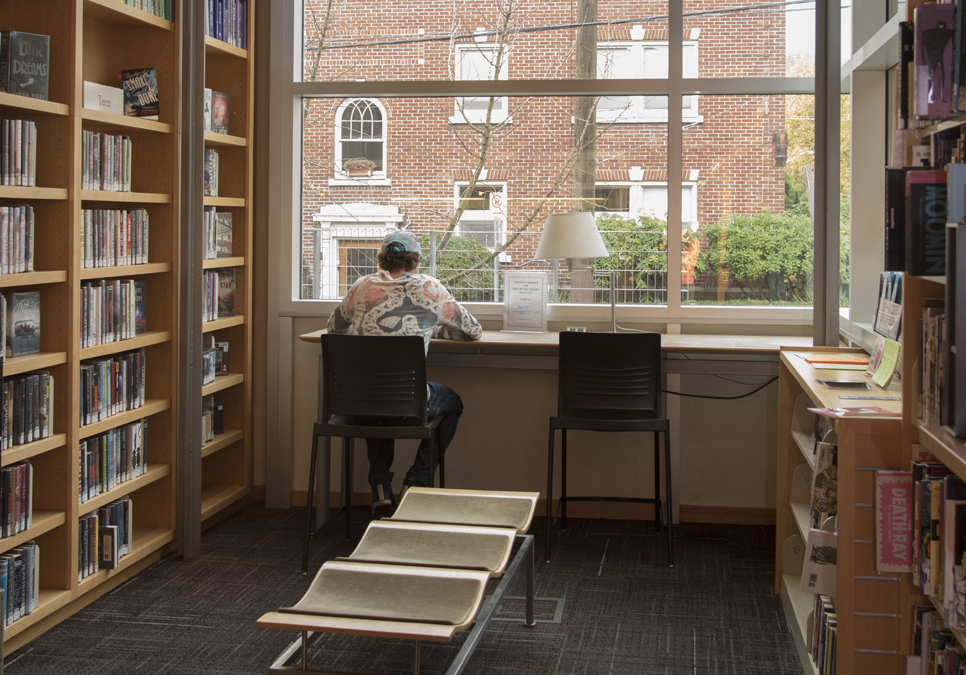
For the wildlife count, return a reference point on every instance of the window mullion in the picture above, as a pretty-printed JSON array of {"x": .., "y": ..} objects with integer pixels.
[{"x": 675, "y": 151}]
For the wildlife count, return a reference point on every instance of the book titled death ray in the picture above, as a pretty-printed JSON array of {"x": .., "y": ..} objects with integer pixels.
[{"x": 24, "y": 63}]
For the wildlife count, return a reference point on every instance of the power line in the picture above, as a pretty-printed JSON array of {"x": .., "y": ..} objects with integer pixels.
[{"x": 539, "y": 29}]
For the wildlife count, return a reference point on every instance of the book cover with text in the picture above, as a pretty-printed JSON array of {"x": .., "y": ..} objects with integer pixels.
[
  {"x": 141, "y": 98},
  {"x": 24, "y": 64},
  {"x": 926, "y": 215},
  {"x": 893, "y": 521}
]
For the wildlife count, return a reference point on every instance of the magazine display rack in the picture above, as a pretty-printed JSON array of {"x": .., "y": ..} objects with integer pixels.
[{"x": 92, "y": 40}]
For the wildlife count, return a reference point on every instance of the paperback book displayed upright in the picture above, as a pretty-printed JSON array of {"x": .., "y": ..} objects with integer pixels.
[{"x": 24, "y": 64}]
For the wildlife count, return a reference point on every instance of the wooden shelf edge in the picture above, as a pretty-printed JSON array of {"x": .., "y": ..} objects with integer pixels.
[
  {"x": 222, "y": 441},
  {"x": 227, "y": 202},
  {"x": 154, "y": 337},
  {"x": 150, "y": 407},
  {"x": 225, "y": 140},
  {"x": 215, "y": 263},
  {"x": 125, "y": 122},
  {"x": 20, "y": 192},
  {"x": 154, "y": 473},
  {"x": 797, "y": 605},
  {"x": 32, "y": 278},
  {"x": 50, "y": 601},
  {"x": 215, "y": 498},
  {"x": 223, "y": 382},
  {"x": 42, "y": 522},
  {"x": 115, "y": 10},
  {"x": 218, "y": 324},
  {"x": 222, "y": 47},
  {"x": 87, "y": 273},
  {"x": 948, "y": 449},
  {"x": 125, "y": 197},
  {"x": 33, "y": 105},
  {"x": 146, "y": 542},
  {"x": 19, "y": 453},
  {"x": 18, "y": 365}
]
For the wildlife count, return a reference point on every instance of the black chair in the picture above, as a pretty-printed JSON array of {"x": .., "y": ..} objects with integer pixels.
[
  {"x": 610, "y": 382},
  {"x": 369, "y": 376}
]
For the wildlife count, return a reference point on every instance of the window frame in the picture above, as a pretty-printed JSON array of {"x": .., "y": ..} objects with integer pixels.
[
  {"x": 287, "y": 89},
  {"x": 460, "y": 114},
  {"x": 482, "y": 215},
  {"x": 341, "y": 177}
]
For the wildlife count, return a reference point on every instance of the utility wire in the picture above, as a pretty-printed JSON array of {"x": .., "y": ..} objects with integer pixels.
[
  {"x": 723, "y": 398},
  {"x": 565, "y": 26}
]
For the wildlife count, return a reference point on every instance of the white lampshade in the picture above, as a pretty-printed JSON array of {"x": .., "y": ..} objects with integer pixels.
[{"x": 571, "y": 235}]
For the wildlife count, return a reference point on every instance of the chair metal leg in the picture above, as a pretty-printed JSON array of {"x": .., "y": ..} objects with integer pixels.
[
  {"x": 563, "y": 479},
  {"x": 310, "y": 499},
  {"x": 549, "y": 493},
  {"x": 657, "y": 482},
  {"x": 347, "y": 488},
  {"x": 669, "y": 510}
]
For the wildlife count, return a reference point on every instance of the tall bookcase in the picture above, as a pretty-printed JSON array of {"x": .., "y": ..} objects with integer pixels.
[
  {"x": 227, "y": 459},
  {"x": 867, "y": 603},
  {"x": 92, "y": 40}
]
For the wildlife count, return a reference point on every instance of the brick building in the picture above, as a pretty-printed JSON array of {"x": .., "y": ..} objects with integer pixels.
[{"x": 425, "y": 152}]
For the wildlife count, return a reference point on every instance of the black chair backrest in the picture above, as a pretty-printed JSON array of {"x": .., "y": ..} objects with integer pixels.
[
  {"x": 369, "y": 375},
  {"x": 611, "y": 376}
]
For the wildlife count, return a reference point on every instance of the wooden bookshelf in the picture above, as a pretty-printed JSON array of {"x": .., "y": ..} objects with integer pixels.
[
  {"x": 92, "y": 40},
  {"x": 227, "y": 459},
  {"x": 868, "y": 604}
]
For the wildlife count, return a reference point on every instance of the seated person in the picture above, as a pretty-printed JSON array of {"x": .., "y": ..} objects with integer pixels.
[{"x": 399, "y": 301}]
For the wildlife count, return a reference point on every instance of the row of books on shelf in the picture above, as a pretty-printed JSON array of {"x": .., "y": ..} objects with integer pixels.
[
  {"x": 214, "y": 360},
  {"x": 112, "y": 310},
  {"x": 20, "y": 581},
  {"x": 227, "y": 20},
  {"x": 27, "y": 408},
  {"x": 822, "y": 634},
  {"x": 161, "y": 8},
  {"x": 935, "y": 649},
  {"x": 218, "y": 233},
  {"x": 106, "y": 161},
  {"x": 105, "y": 536},
  {"x": 112, "y": 386},
  {"x": 18, "y": 153},
  {"x": 16, "y": 239},
  {"x": 16, "y": 498},
  {"x": 111, "y": 458},
  {"x": 219, "y": 294},
  {"x": 215, "y": 111},
  {"x": 932, "y": 363},
  {"x": 113, "y": 237},
  {"x": 212, "y": 418},
  {"x": 210, "y": 188}
]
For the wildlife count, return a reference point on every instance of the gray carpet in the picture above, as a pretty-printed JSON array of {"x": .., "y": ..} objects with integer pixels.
[{"x": 607, "y": 603}]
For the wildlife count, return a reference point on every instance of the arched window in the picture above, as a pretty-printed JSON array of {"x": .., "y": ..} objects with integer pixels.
[{"x": 361, "y": 139}]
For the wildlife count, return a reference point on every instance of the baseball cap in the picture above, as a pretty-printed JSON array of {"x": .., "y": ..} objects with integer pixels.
[{"x": 401, "y": 240}]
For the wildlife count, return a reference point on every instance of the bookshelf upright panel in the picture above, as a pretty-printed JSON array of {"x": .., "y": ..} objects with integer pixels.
[
  {"x": 226, "y": 450},
  {"x": 92, "y": 40}
]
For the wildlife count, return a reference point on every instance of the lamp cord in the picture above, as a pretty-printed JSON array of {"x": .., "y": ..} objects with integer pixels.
[{"x": 723, "y": 398}]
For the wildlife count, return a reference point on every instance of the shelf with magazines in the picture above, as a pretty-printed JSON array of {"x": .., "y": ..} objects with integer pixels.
[
  {"x": 226, "y": 450},
  {"x": 89, "y": 41},
  {"x": 860, "y": 598}
]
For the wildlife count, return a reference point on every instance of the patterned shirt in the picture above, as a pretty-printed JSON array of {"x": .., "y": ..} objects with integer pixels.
[{"x": 411, "y": 304}]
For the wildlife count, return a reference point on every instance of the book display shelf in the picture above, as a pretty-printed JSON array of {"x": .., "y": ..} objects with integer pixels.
[
  {"x": 867, "y": 604},
  {"x": 227, "y": 455},
  {"x": 92, "y": 40}
]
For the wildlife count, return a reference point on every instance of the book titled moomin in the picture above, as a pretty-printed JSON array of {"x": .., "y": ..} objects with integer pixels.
[{"x": 926, "y": 212}]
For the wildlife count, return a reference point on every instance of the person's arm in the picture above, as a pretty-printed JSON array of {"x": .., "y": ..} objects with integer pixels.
[
  {"x": 454, "y": 321},
  {"x": 340, "y": 321}
]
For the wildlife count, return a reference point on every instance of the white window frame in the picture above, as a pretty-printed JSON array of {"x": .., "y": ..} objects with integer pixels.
[
  {"x": 481, "y": 215},
  {"x": 636, "y": 200},
  {"x": 488, "y": 51},
  {"x": 645, "y": 60},
  {"x": 379, "y": 176}
]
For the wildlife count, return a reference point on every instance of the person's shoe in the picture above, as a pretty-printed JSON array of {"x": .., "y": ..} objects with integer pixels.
[{"x": 383, "y": 503}]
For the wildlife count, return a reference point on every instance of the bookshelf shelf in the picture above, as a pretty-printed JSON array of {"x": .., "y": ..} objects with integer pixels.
[
  {"x": 50, "y": 601},
  {"x": 154, "y": 473},
  {"x": 19, "y": 365},
  {"x": 116, "y": 12},
  {"x": 227, "y": 202},
  {"x": 217, "y": 263},
  {"x": 125, "y": 197},
  {"x": 32, "y": 278},
  {"x": 124, "y": 271},
  {"x": 215, "y": 46},
  {"x": 19, "y": 453},
  {"x": 95, "y": 119},
  {"x": 224, "y": 140},
  {"x": 150, "y": 407},
  {"x": 43, "y": 522},
  {"x": 146, "y": 541},
  {"x": 217, "y": 498},
  {"x": 32, "y": 193},
  {"x": 223, "y": 382},
  {"x": 220, "y": 324},
  {"x": 221, "y": 441},
  {"x": 144, "y": 340},
  {"x": 33, "y": 105}
]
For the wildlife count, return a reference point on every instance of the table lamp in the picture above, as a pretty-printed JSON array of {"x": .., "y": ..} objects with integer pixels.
[{"x": 575, "y": 235}]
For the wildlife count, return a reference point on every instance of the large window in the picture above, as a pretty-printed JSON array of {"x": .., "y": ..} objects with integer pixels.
[{"x": 700, "y": 208}]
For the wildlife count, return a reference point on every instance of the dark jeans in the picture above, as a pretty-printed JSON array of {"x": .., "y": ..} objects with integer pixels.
[{"x": 442, "y": 401}]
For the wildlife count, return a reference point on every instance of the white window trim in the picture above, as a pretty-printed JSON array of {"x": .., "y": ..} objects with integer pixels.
[
  {"x": 377, "y": 177},
  {"x": 359, "y": 220},
  {"x": 460, "y": 115},
  {"x": 479, "y": 214}
]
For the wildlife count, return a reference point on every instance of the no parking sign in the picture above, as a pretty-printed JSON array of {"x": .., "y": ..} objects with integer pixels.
[{"x": 497, "y": 204}]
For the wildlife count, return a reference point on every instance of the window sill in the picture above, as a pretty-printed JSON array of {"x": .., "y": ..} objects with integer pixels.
[
  {"x": 359, "y": 182},
  {"x": 459, "y": 119},
  {"x": 634, "y": 119}
]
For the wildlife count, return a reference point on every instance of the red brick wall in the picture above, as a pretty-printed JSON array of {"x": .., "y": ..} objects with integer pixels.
[{"x": 731, "y": 147}]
